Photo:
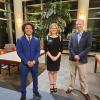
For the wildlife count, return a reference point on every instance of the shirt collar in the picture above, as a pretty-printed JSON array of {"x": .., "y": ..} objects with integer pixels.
[
  {"x": 80, "y": 33},
  {"x": 28, "y": 37}
]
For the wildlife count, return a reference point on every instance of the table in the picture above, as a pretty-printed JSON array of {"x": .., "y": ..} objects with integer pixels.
[{"x": 12, "y": 58}]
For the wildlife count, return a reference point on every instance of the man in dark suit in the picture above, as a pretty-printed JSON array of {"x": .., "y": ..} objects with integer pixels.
[
  {"x": 79, "y": 46},
  {"x": 28, "y": 49}
]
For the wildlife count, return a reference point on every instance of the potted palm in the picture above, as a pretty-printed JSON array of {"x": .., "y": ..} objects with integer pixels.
[
  {"x": 57, "y": 12},
  {"x": 53, "y": 11}
]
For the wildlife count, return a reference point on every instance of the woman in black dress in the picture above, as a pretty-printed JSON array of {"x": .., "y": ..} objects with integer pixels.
[{"x": 53, "y": 49}]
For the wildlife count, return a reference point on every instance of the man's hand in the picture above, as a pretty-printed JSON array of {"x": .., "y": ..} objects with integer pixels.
[
  {"x": 77, "y": 57},
  {"x": 31, "y": 63}
]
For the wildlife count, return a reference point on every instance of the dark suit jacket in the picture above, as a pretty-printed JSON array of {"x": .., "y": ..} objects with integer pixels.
[
  {"x": 28, "y": 51},
  {"x": 80, "y": 49}
]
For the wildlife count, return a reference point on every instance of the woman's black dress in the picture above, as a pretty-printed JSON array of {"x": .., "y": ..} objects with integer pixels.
[{"x": 54, "y": 46}]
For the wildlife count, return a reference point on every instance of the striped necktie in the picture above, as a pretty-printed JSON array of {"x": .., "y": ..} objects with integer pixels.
[{"x": 29, "y": 39}]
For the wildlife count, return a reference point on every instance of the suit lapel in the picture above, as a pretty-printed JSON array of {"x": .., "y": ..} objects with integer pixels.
[
  {"x": 76, "y": 38},
  {"x": 26, "y": 39}
]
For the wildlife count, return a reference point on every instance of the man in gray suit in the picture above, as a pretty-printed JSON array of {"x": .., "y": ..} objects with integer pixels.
[{"x": 79, "y": 46}]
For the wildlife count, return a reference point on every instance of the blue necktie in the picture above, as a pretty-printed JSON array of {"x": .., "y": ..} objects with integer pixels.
[{"x": 29, "y": 39}]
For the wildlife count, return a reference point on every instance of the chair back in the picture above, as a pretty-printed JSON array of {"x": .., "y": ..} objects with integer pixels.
[{"x": 10, "y": 47}]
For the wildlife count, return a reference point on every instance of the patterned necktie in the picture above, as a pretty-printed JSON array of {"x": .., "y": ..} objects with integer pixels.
[{"x": 29, "y": 39}]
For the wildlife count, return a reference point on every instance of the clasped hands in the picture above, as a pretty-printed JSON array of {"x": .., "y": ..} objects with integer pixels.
[
  {"x": 30, "y": 63},
  {"x": 77, "y": 57},
  {"x": 54, "y": 58}
]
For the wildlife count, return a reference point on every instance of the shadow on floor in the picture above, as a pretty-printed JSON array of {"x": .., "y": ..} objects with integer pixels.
[
  {"x": 13, "y": 81},
  {"x": 75, "y": 95},
  {"x": 60, "y": 95},
  {"x": 97, "y": 97}
]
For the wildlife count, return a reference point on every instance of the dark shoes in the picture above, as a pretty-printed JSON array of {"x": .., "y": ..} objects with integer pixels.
[
  {"x": 53, "y": 89},
  {"x": 37, "y": 94},
  {"x": 69, "y": 90},
  {"x": 87, "y": 97},
  {"x": 23, "y": 98}
]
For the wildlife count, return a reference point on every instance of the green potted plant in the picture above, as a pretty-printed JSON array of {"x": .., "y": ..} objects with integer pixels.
[{"x": 57, "y": 12}]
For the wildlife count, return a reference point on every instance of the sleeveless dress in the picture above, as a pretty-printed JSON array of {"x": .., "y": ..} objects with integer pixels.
[{"x": 54, "y": 46}]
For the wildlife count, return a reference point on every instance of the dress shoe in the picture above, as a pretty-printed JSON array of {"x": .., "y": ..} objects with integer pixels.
[
  {"x": 55, "y": 88},
  {"x": 51, "y": 88},
  {"x": 69, "y": 90},
  {"x": 23, "y": 98},
  {"x": 37, "y": 94},
  {"x": 87, "y": 97}
]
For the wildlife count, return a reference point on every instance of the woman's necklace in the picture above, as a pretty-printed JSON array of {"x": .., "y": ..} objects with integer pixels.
[{"x": 54, "y": 36}]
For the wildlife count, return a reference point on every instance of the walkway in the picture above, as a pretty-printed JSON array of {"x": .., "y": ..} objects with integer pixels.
[{"x": 62, "y": 83}]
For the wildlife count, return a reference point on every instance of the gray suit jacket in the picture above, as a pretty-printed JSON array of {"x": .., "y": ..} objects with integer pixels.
[{"x": 82, "y": 48}]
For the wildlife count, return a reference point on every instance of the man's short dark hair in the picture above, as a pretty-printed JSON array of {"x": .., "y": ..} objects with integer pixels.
[{"x": 27, "y": 23}]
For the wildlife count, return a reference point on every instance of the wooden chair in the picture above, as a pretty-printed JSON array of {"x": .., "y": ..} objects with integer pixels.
[
  {"x": 2, "y": 51},
  {"x": 10, "y": 47}
]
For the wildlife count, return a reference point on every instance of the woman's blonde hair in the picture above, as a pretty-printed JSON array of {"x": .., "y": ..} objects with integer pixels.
[{"x": 53, "y": 24}]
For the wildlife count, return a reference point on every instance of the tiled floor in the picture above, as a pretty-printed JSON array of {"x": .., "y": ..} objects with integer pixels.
[{"x": 93, "y": 80}]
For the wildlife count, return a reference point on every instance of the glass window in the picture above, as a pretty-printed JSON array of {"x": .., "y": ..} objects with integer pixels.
[
  {"x": 74, "y": 4},
  {"x": 94, "y": 23},
  {"x": 94, "y": 3},
  {"x": 73, "y": 14},
  {"x": 4, "y": 21},
  {"x": 94, "y": 26},
  {"x": 94, "y": 13},
  {"x": 2, "y": 6},
  {"x": 3, "y": 33},
  {"x": 3, "y": 11},
  {"x": 94, "y": 17}
]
